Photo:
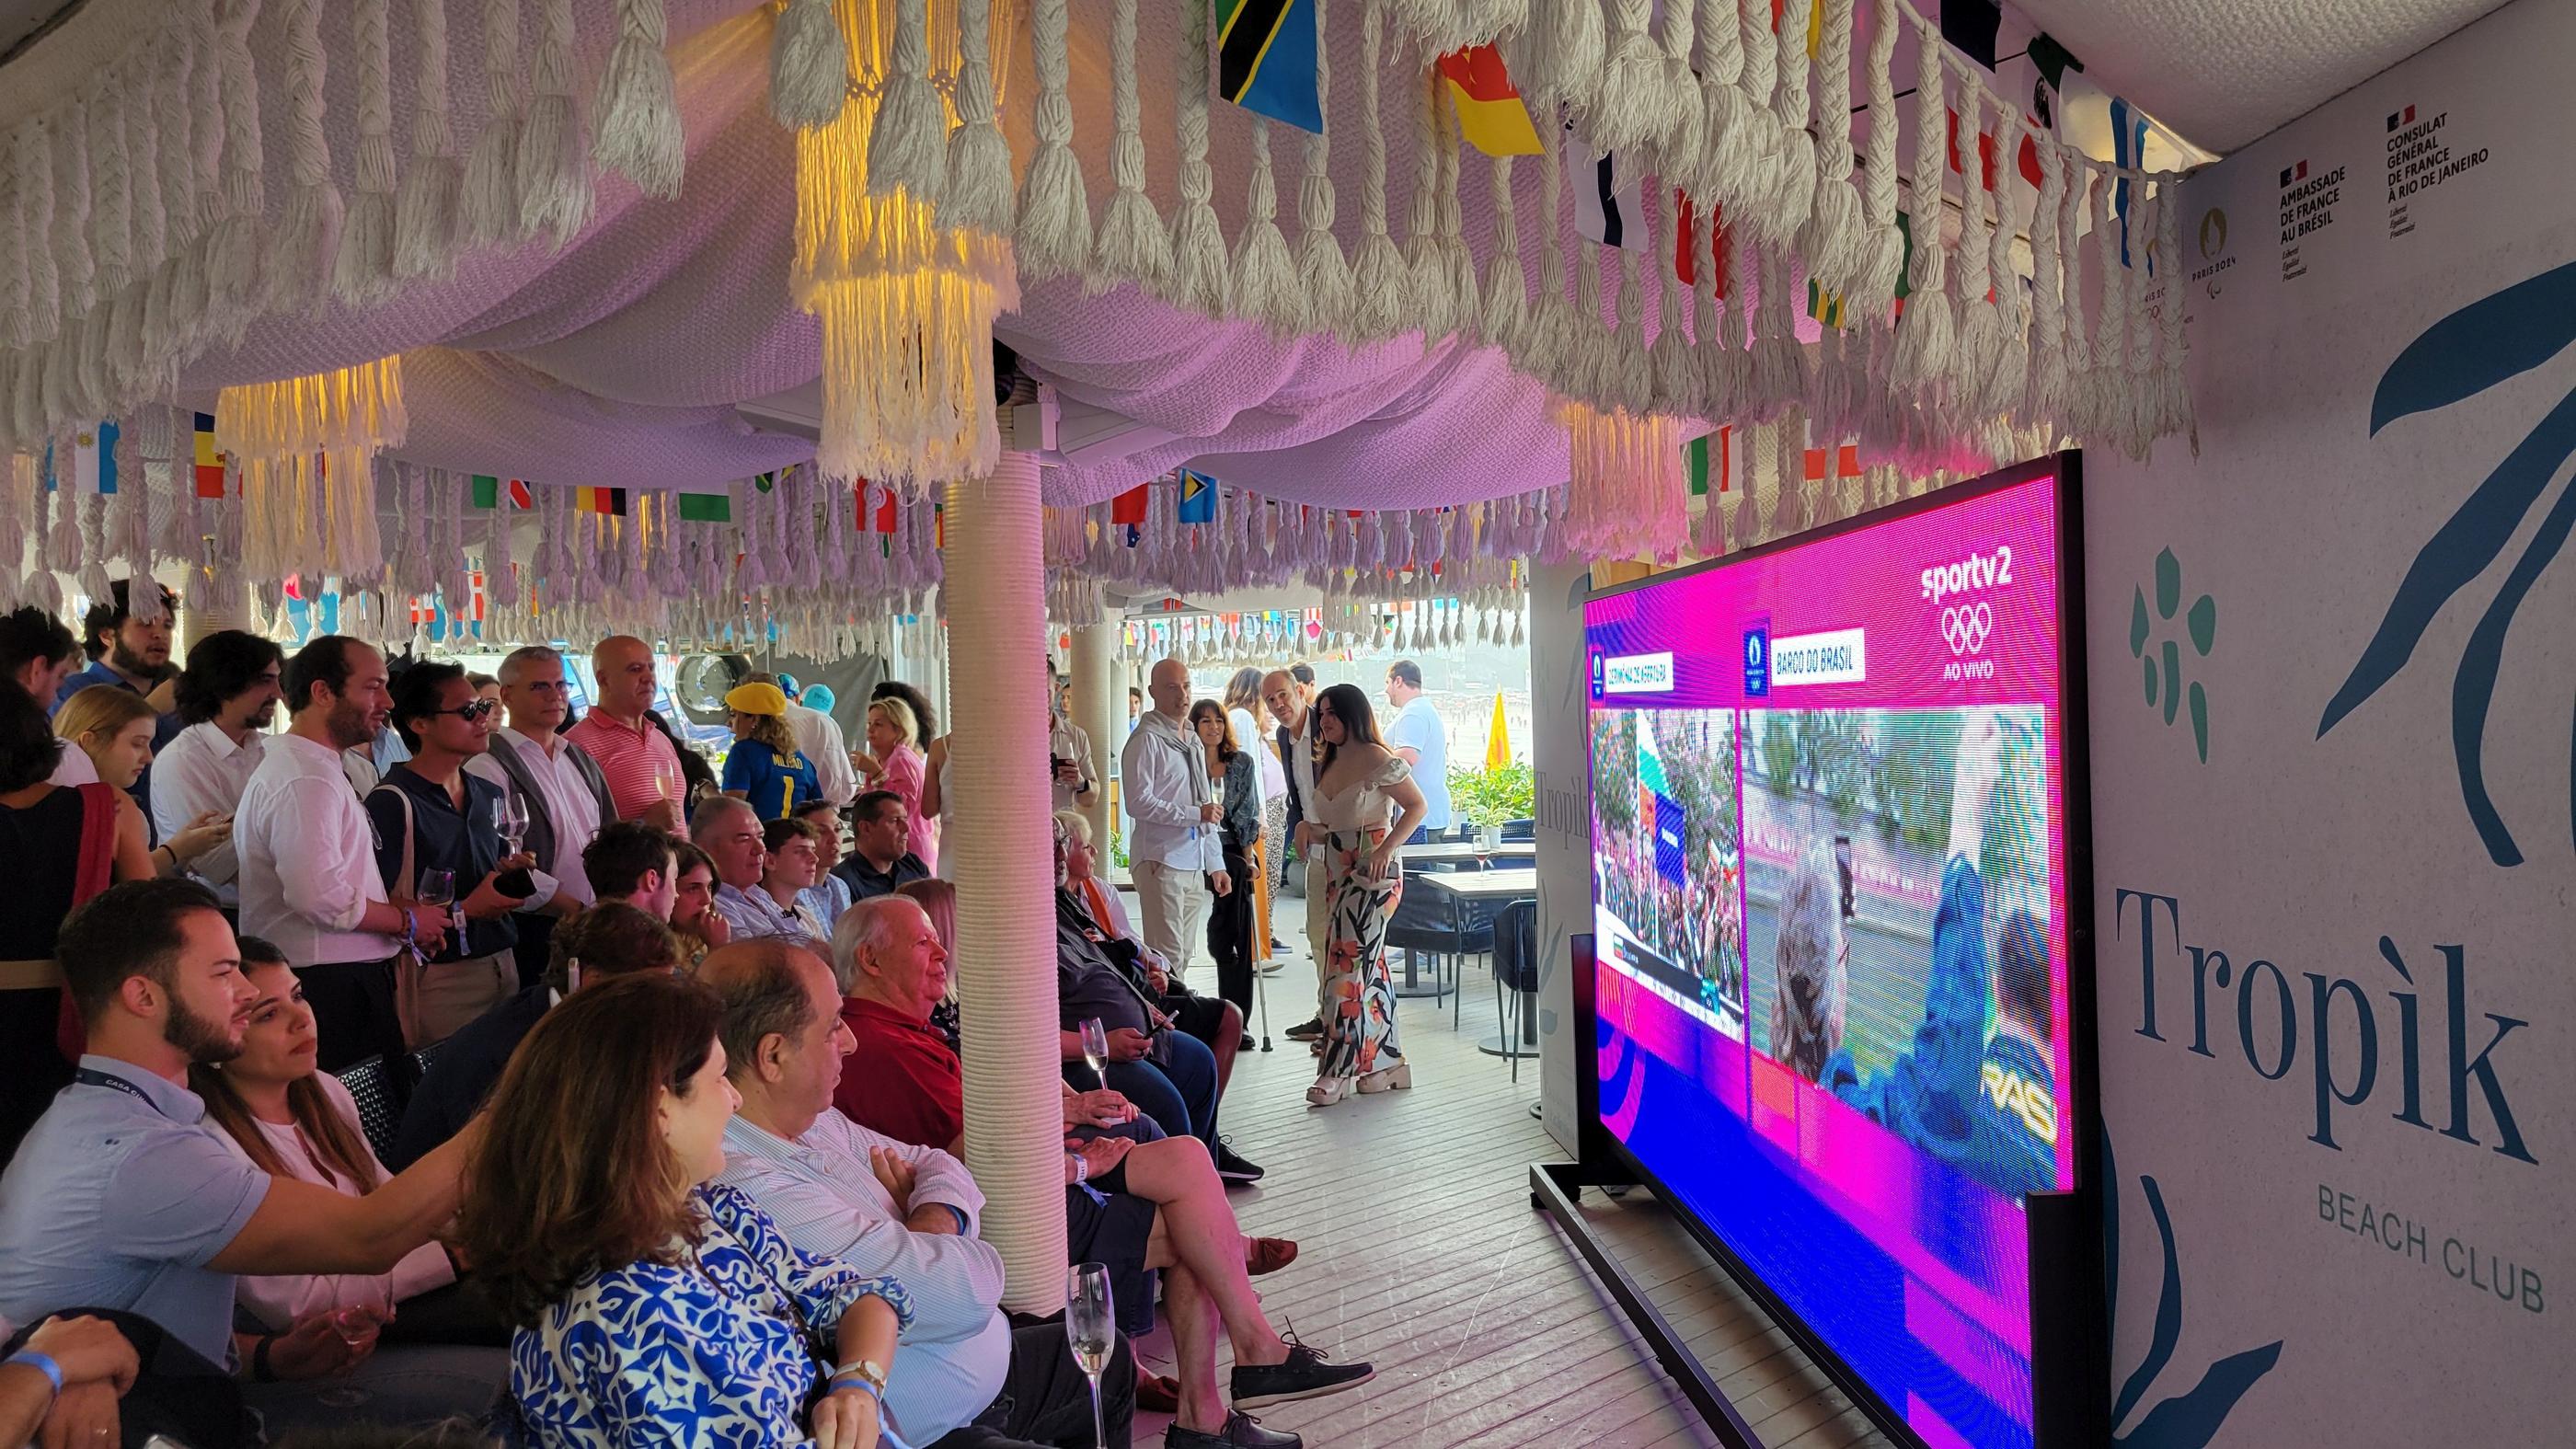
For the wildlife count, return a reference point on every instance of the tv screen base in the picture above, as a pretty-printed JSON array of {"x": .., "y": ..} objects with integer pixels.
[{"x": 1553, "y": 1186}]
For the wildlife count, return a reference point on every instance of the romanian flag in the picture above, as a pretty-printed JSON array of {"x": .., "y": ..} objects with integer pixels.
[
  {"x": 1491, "y": 117},
  {"x": 489, "y": 490},
  {"x": 1710, "y": 458},
  {"x": 610, "y": 501},
  {"x": 1265, "y": 59},
  {"x": 705, "y": 507},
  {"x": 209, "y": 459},
  {"x": 1197, "y": 498}
]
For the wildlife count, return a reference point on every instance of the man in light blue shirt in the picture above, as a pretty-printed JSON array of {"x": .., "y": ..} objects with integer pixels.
[
  {"x": 840, "y": 1191},
  {"x": 1418, "y": 736},
  {"x": 123, "y": 1197}
]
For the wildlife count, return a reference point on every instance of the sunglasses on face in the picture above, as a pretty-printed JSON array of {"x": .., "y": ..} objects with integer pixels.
[{"x": 470, "y": 711}]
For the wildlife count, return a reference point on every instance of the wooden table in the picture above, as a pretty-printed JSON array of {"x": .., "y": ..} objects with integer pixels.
[{"x": 1466, "y": 890}]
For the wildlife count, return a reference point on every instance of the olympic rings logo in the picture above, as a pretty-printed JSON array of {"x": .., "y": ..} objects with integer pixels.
[{"x": 1964, "y": 627}]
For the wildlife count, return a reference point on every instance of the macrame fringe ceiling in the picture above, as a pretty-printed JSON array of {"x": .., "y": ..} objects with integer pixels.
[
  {"x": 903, "y": 240},
  {"x": 306, "y": 448}
]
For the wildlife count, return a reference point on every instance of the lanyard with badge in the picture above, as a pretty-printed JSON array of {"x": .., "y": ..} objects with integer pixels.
[{"x": 91, "y": 1077}]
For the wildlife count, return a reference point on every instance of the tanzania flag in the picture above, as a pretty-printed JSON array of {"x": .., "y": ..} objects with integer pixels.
[
  {"x": 1265, "y": 59},
  {"x": 1197, "y": 498},
  {"x": 488, "y": 490},
  {"x": 1491, "y": 117},
  {"x": 209, "y": 459},
  {"x": 611, "y": 501},
  {"x": 705, "y": 507}
]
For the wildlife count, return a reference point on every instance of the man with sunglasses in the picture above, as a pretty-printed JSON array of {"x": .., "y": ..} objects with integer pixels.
[
  {"x": 430, "y": 815},
  {"x": 565, "y": 793}
]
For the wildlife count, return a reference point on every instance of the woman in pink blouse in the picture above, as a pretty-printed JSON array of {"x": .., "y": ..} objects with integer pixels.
[
  {"x": 893, "y": 761},
  {"x": 295, "y": 1121}
]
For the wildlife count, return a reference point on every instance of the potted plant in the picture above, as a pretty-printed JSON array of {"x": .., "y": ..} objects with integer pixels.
[{"x": 1489, "y": 797}]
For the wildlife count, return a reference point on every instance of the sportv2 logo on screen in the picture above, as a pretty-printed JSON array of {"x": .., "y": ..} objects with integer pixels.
[
  {"x": 1837, "y": 656},
  {"x": 1639, "y": 674}
]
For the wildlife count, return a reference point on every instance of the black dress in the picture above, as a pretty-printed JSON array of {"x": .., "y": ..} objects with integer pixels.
[{"x": 40, "y": 858}]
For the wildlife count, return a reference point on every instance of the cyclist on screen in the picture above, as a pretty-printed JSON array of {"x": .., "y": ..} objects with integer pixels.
[{"x": 1985, "y": 1104}]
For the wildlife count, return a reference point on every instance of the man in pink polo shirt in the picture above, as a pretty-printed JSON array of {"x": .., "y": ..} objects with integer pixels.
[{"x": 638, "y": 761}]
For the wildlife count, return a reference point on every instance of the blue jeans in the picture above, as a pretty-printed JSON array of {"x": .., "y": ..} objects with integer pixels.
[{"x": 1179, "y": 1093}]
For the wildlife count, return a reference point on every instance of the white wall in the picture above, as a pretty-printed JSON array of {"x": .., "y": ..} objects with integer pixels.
[{"x": 2306, "y": 872}]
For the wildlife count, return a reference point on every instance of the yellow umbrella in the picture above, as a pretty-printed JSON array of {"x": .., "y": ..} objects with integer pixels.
[{"x": 1498, "y": 743}]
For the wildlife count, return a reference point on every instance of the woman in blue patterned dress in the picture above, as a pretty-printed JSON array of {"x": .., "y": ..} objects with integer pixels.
[{"x": 653, "y": 1307}]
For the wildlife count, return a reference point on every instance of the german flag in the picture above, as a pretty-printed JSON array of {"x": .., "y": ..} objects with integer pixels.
[
  {"x": 611, "y": 501},
  {"x": 1491, "y": 117},
  {"x": 1265, "y": 59}
]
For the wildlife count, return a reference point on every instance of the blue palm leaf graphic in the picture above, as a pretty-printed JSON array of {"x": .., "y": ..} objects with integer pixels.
[
  {"x": 2190, "y": 1420},
  {"x": 2168, "y": 1329},
  {"x": 2473, "y": 688},
  {"x": 2478, "y": 346},
  {"x": 2459, "y": 551}
]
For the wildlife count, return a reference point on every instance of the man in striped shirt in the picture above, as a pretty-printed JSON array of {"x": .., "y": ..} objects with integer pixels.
[{"x": 637, "y": 759}]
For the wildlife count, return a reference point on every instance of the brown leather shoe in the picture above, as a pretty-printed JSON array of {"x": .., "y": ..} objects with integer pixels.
[{"x": 1268, "y": 1255}]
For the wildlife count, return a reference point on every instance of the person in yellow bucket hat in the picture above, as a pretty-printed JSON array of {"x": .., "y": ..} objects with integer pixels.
[{"x": 764, "y": 767}]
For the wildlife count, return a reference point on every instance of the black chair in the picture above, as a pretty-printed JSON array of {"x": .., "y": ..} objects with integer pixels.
[
  {"x": 1424, "y": 923},
  {"x": 379, "y": 1115},
  {"x": 1520, "y": 832},
  {"x": 1515, "y": 974}
]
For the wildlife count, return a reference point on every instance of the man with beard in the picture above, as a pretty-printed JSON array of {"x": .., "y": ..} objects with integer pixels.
[
  {"x": 227, "y": 700},
  {"x": 308, "y": 874},
  {"x": 124, "y": 1197},
  {"x": 131, "y": 654}
]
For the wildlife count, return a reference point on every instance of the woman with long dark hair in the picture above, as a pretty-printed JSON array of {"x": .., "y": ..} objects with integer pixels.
[
  {"x": 293, "y": 1120},
  {"x": 1244, "y": 708},
  {"x": 1360, "y": 785},
  {"x": 652, "y": 1305},
  {"x": 1231, "y": 919}
]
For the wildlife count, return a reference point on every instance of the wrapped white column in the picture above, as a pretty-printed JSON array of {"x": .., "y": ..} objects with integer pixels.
[
  {"x": 998, "y": 834},
  {"x": 1096, "y": 697}
]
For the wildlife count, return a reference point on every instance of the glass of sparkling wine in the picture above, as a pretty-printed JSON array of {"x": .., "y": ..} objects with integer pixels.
[
  {"x": 1095, "y": 1049},
  {"x": 1090, "y": 1321}
]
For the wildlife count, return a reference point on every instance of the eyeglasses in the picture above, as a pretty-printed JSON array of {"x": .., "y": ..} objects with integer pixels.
[{"x": 470, "y": 711}]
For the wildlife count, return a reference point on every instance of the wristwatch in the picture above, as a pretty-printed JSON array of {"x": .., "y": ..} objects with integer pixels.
[{"x": 868, "y": 1370}]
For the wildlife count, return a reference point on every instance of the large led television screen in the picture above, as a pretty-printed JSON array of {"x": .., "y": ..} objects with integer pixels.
[{"x": 1831, "y": 939}]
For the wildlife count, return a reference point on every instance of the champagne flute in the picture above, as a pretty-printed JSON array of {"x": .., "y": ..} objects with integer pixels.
[
  {"x": 1095, "y": 1049},
  {"x": 1090, "y": 1323}
]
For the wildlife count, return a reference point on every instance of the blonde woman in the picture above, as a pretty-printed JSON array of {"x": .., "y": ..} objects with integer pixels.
[
  {"x": 764, "y": 767},
  {"x": 893, "y": 761},
  {"x": 113, "y": 727}
]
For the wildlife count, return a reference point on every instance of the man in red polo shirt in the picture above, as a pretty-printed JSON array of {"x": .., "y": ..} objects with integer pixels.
[{"x": 639, "y": 762}]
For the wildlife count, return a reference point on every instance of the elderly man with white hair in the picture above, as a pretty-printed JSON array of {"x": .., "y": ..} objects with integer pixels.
[
  {"x": 729, "y": 831},
  {"x": 1177, "y": 853}
]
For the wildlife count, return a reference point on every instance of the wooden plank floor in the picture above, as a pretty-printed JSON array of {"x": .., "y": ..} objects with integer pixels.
[{"x": 1420, "y": 1253}]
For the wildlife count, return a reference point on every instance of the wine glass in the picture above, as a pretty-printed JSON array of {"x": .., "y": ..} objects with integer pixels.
[
  {"x": 437, "y": 890},
  {"x": 510, "y": 818},
  {"x": 1090, "y": 1327},
  {"x": 1095, "y": 1049}
]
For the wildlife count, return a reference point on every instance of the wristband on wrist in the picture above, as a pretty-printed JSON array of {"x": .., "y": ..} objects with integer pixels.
[
  {"x": 41, "y": 1363},
  {"x": 1081, "y": 1169},
  {"x": 411, "y": 927},
  {"x": 862, "y": 1371}
]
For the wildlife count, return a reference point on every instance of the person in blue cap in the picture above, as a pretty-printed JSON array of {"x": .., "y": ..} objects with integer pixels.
[{"x": 1987, "y": 1103}]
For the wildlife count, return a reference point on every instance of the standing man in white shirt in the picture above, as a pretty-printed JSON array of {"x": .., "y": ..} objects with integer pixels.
[
  {"x": 227, "y": 700},
  {"x": 1068, "y": 748},
  {"x": 566, "y": 795},
  {"x": 1176, "y": 854},
  {"x": 1423, "y": 741},
  {"x": 308, "y": 875}
]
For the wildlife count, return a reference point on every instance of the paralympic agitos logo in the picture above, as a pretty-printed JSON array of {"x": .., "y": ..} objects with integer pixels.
[{"x": 2358, "y": 1045}]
